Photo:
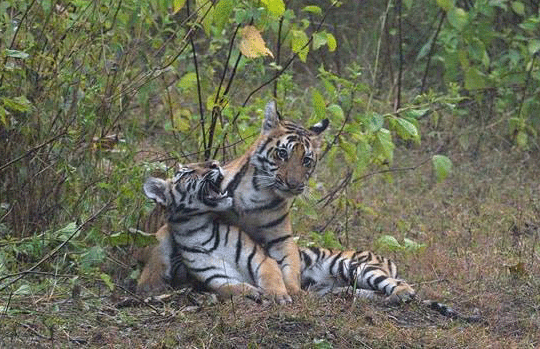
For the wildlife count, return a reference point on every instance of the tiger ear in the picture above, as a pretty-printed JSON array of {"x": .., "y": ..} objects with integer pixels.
[
  {"x": 271, "y": 117},
  {"x": 319, "y": 127},
  {"x": 157, "y": 190}
]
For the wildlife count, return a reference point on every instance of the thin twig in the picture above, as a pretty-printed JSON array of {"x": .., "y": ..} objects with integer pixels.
[
  {"x": 431, "y": 51},
  {"x": 400, "y": 49},
  {"x": 32, "y": 150},
  {"x": 199, "y": 92}
]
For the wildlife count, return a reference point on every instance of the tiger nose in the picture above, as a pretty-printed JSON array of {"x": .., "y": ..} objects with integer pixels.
[{"x": 296, "y": 186}]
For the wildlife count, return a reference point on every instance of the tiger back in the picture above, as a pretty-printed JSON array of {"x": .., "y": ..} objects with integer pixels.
[{"x": 220, "y": 256}]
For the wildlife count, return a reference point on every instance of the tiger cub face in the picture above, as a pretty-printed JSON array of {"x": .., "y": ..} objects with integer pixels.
[
  {"x": 194, "y": 190},
  {"x": 286, "y": 154}
]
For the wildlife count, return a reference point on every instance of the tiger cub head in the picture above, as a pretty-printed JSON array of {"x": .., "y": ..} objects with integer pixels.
[
  {"x": 194, "y": 190},
  {"x": 286, "y": 153}
]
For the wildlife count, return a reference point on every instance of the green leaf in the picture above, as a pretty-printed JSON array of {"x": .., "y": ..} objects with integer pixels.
[
  {"x": 17, "y": 54},
  {"x": 406, "y": 129},
  {"x": 222, "y": 12},
  {"x": 299, "y": 44},
  {"x": 458, "y": 18},
  {"x": 23, "y": 290},
  {"x": 375, "y": 122},
  {"x": 3, "y": 118},
  {"x": 178, "y": 5},
  {"x": 276, "y": 7},
  {"x": 313, "y": 9},
  {"x": 336, "y": 112},
  {"x": 442, "y": 166},
  {"x": 106, "y": 278},
  {"x": 416, "y": 113},
  {"x": 533, "y": 46},
  {"x": 518, "y": 8},
  {"x": 389, "y": 242},
  {"x": 445, "y": 4},
  {"x": 412, "y": 246},
  {"x": 474, "y": 79},
  {"x": 65, "y": 232},
  {"x": 383, "y": 145},
  {"x": 93, "y": 257},
  {"x": 18, "y": 104},
  {"x": 349, "y": 151},
  {"x": 331, "y": 42},
  {"x": 319, "y": 105},
  {"x": 522, "y": 140},
  {"x": 188, "y": 81},
  {"x": 137, "y": 237},
  {"x": 319, "y": 39}
]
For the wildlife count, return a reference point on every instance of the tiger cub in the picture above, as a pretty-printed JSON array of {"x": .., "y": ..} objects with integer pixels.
[
  {"x": 263, "y": 183},
  {"x": 218, "y": 255}
]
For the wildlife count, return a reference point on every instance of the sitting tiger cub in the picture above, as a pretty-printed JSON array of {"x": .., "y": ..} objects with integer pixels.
[
  {"x": 228, "y": 262},
  {"x": 220, "y": 256}
]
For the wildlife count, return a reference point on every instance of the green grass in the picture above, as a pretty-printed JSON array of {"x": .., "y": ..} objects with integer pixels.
[{"x": 482, "y": 232}]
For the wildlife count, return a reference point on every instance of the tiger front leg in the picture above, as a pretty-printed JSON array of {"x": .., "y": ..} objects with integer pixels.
[
  {"x": 286, "y": 253},
  {"x": 271, "y": 281}
]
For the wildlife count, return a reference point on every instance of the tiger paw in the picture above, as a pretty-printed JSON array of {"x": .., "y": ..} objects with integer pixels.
[
  {"x": 282, "y": 298},
  {"x": 402, "y": 293}
]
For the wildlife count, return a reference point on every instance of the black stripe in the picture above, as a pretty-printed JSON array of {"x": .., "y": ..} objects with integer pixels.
[
  {"x": 378, "y": 280},
  {"x": 227, "y": 235},
  {"x": 198, "y": 270},
  {"x": 193, "y": 231},
  {"x": 341, "y": 270},
  {"x": 334, "y": 260},
  {"x": 231, "y": 187},
  {"x": 270, "y": 243},
  {"x": 192, "y": 250},
  {"x": 317, "y": 252},
  {"x": 238, "y": 247},
  {"x": 306, "y": 258},
  {"x": 280, "y": 261},
  {"x": 263, "y": 146},
  {"x": 215, "y": 232},
  {"x": 250, "y": 263},
  {"x": 271, "y": 205},
  {"x": 276, "y": 222},
  {"x": 212, "y": 236},
  {"x": 215, "y": 276}
]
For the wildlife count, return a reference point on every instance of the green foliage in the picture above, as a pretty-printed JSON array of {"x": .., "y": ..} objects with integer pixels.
[
  {"x": 493, "y": 46},
  {"x": 390, "y": 243},
  {"x": 326, "y": 240},
  {"x": 442, "y": 166}
]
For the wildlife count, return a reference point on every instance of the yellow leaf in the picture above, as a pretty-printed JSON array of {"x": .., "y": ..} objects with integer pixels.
[
  {"x": 252, "y": 44},
  {"x": 177, "y": 5}
]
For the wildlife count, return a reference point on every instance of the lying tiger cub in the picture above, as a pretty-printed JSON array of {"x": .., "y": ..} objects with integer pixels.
[{"x": 228, "y": 262}]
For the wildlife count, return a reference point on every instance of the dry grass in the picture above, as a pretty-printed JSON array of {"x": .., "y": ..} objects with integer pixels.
[{"x": 482, "y": 230}]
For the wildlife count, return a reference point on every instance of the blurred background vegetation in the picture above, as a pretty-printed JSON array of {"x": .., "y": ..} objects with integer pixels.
[{"x": 97, "y": 95}]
